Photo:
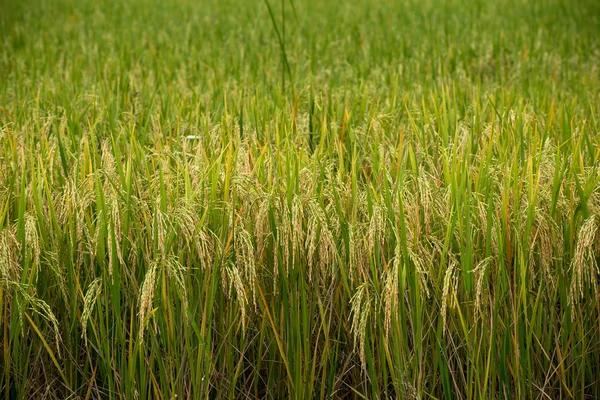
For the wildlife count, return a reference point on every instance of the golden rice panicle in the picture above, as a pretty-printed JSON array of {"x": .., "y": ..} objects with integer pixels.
[
  {"x": 261, "y": 225},
  {"x": 51, "y": 259},
  {"x": 160, "y": 230},
  {"x": 89, "y": 300},
  {"x": 448, "y": 292},
  {"x": 412, "y": 216},
  {"x": 146, "y": 298},
  {"x": 42, "y": 308},
  {"x": 10, "y": 268},
  {"x": 187, "y": 219},
  {"x": 391, "y": 290},
  {"x": 109, "y": 168},
  {"x": 419, "y": 263},
  {"x": 243, "y": 164},
  {"x": 320, "y": 241},
  {"x": 32, "y": 239},
  {"x": 114, "y": 237},
  {"x": 205, "y": 247},
  {"x": 235, "y": 278},
  {"x": 245, "y": 258},
  {"x": 360, "y": 308},
  {"x": 376, "y": 232},
  {"x": 480, "y": 272},
  {"x": 584, "y": 267}
]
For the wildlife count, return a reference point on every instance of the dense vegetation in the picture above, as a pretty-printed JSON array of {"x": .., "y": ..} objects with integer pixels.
[{"x": 307, "y": 199}]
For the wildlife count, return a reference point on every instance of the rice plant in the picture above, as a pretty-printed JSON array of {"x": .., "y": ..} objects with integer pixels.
[{"x": 303, "y": 199}]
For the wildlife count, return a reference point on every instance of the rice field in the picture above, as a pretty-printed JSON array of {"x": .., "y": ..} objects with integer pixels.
[{"x": 299, "y": 199}]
